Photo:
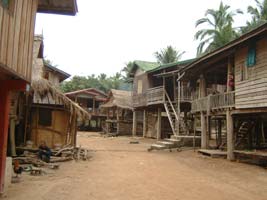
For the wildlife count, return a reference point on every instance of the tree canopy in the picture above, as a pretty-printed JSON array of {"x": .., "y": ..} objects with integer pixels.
[
  {"x": 168, "y": 55},
  {"x": 259, "y": 15},
  {"x": 101, "y": 82},
  {"x": 219, "y": 31}
]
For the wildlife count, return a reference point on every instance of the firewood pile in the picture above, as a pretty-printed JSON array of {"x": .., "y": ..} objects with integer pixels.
[{"x": 61, "y": 155}]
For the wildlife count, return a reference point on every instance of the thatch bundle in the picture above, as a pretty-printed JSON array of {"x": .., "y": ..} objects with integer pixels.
[
  {"x": 44, "y": 89},
  {"x": 120, "y": 99}
]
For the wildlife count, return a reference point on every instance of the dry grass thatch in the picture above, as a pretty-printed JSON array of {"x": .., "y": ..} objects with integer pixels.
[
  {"x": 44, "y": 88},
  {"x": 119, "y": 98}
]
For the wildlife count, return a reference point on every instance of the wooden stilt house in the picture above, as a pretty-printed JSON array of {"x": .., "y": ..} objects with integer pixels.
[
  {"x": 230, "y": 105},
  {"x": 157, "y": 94},
  {"x": 90, "y": 99},
  {"x": 17, "y": 22},
  {"x": 119, "y": 111}
]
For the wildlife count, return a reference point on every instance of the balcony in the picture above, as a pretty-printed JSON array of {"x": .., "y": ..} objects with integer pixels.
[
  {"x": 155, "y": 95},
  {"x": 151, "y": 97},
  {"x": 214, "y": 102}
]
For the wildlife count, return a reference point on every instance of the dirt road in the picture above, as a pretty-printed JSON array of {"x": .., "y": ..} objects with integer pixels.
[{"x": 123, "y": 171}]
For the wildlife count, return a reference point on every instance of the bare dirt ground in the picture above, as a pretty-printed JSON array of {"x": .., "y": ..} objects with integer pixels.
[{"x": 122, "y": 171}]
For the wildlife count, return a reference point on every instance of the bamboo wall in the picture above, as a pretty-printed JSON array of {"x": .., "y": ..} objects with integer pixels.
[
  {"x": 17, "y": 35},
  {"x": 57, "y": 133},
  {"x": 251, "y": 82}
]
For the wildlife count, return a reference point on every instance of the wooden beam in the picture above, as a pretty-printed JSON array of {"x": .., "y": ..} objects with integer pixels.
[
  {"x": 230, "y": 136},
  {"x": 159, "y": 124},
  {"x": 203, "y": 131},
  {"x": 144, "y": 123},
  {"x": 12, "y": 136},
  {"x": 134, "y": 123},
  {"x": 4, "y": 112},
  {"x": 229, "y": 118},
  {"x": 118, "y": 123}
]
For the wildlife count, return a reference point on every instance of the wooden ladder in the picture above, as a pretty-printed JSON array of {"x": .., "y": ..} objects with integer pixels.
[{"x": 171, "y": 113}]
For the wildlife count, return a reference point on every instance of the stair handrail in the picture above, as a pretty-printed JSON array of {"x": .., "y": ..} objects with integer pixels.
[{"x": 169, "y": 100}]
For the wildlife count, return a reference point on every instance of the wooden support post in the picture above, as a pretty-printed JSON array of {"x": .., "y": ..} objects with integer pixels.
[
  {"x": 174, "y": 87},
  {"x": 107, "y": 123},
  {"x": 178, "y": 105},
  {"x": 4, "y": 110},
  {"x": 5, "y": 87},
  {"x": 203, "y": 131},
  {"x": 209, "y": 130},
  {"x": 118, "y": 121},
  {"x": 94, "y": 105},
  {"x": 134, "y": 123},
  {"x": 164, "y": 89},
  {"x": 229, "y": 118},
  {"x": 144, "y": 123},
  {"x": 230, "y": 136},
  {"x": 219, "y": 132},
  {"x": 202, "y": 93},
  {"x": 194, "y": 140},
  {"x": 159, "y": 124},
  {"x": 12, "y": 136}
]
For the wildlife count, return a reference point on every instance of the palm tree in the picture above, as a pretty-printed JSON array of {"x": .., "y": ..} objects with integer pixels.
[
  {"x": 168, "y": 55},
  {"x": 127, "y": 70},
  {"x": 259, "y": 15},
  {"x": 220, "y": 31}
]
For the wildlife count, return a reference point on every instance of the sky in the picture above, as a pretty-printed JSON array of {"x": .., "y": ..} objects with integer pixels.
[{"x": 104, "y": 35}]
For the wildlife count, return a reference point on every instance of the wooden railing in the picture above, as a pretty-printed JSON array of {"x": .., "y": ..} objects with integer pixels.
[
  {"x": 139, "y": 100},
  {"x": 225, "y": 100},
  {"x": 155, "y": 95},
  {"x": 185, "y": 94},
  {"x": 213, "y": 102},
  {"x": 199, "y": 105}
]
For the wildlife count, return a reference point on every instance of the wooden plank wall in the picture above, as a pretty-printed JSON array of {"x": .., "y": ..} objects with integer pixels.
[
  {"x": 54, "y": 134},
  {"x": 16, "y": 37},
  {"x": 251, "y": 92}
]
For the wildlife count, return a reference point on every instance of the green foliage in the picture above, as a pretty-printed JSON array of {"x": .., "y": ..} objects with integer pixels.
[
  {"x": 220, "y": 29},
  {"x": 259, "y": 15},
  {"x": 168, "y": 55},
  {"x": 101, "y": 82},
  {"x": 127, "y": 70}
]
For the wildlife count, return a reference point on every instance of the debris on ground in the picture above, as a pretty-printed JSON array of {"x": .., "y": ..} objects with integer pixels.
[
  {"x": 134, "y": 142},
  {"x": 31, "y": 163}
]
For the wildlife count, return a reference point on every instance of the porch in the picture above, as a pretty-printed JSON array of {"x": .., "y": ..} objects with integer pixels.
[
  {"x": 156, "y": 95},
  {"x": 214, "y": 102}
]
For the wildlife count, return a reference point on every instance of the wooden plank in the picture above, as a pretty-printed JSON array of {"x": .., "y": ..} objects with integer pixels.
[
  {"x": 4, "y": 37},
  {"x": 1, "y": 21},
  {"x": 17, "y": 16},
  {"x": 27, "y": 39},
  {"x": 251, "y": 99},
  {"x": 22, "y": 37},
  {"x": 11, "y": 34}
]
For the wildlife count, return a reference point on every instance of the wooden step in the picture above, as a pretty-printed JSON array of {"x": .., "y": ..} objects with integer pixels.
[
  {"x": 158, "y": 147},
  {"x": 173, "y": 140},
  {"x": 166, "y": 143}
]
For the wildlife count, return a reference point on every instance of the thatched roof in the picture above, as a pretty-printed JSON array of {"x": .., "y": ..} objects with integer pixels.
[
  {"x": 119, "y": 98},
  {"x": 92, "y": 91},
  {"x": 43, "y": 88}
]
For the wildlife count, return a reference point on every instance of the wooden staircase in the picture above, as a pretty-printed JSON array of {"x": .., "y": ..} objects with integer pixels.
[
  {"x": 175, "y": 122},
  {"x": 242, "y": 135},
  {"x": 173, "y": 116}
]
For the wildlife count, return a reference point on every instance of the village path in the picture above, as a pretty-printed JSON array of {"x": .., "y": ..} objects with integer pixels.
[{"x": 122, "y": 171}]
